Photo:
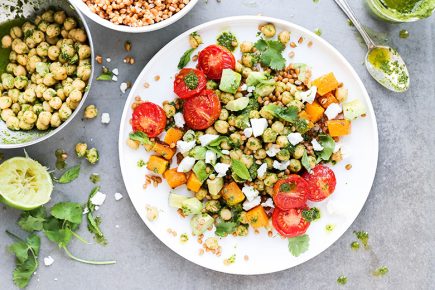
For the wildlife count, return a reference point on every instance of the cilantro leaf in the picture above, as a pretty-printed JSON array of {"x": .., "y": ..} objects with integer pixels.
[
  {"x": 54, "y": 231},
  {"x": 185, "y": 58},
  {"x": 271, "y": 53},
  {"x": 298, "y": 245},
  {"x": 141, "y": 137},
  {"x": 105, "y": 76},
  {"x": 69, "y": 211},
  {"x": 328, "y": 145},
  {"x": 311, "y": 214},
  {"x": 239, "y": 169},
  {"x": 225, "y": 228},
  {"x": 69, "y": 175},
  {"x": 289, "y": 114},
  {"x": 33, "y": 220},
  {"x": 94, "y": 222}
]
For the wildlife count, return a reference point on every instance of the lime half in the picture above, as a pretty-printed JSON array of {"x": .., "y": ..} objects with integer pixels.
[{"x": 24, "y": 183}]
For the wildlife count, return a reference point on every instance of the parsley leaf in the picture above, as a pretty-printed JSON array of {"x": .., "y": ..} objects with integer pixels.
[
  {"x": 94, "y": 222},
  {"x": 289, "y": 114},
  {"x": 271, "y": 53},
  {"x": 26, "y": 253},
  {"x": 185, "y": 58},
  {"x": 69, "y": 175},
  {"x": 239, "y": 169},
  {"x": 33, "y": 220},
  {"x": 328, "y": 145},
  {"x": 311, "y": 214},
  {"x": 298, "y": 245},
  {"x": 363, "y": 237},
  {"x": 141, "y": 137},
  {"x": 225, "y": 228}
]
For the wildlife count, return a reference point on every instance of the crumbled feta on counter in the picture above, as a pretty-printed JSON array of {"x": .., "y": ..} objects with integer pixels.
[
  {"x": 105, "y": 118},
  {"x": 98, "y": 198}
]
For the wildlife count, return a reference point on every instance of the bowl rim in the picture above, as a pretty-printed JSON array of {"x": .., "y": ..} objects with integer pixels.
[
  {"x": 85, "y": 95},
  {"x": 130, "y": 29}
]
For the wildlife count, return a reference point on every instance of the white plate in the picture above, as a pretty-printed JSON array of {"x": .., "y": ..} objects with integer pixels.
[{"x": 265, "y": 254}]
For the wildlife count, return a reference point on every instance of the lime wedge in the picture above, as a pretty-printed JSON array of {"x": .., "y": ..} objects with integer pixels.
[{"x": 24, "y": 183}]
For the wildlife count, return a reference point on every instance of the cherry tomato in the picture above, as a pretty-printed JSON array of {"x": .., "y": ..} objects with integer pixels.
[
  {"x": 213, "y": 59},
  {"x": 321, "y": 182},
  {"x": 201, "y": 111},
  {"x": 189, "y": 82},
  {"x": 148, "y": 118},
  {"x": 291, "y": 192},
  {"x": 289, "y": 223}
]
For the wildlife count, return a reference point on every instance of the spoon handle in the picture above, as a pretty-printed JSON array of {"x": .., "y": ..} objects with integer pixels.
[{"x": 346, "y": 9}]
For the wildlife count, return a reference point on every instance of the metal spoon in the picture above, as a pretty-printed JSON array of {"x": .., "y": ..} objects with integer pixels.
[{"x": 383, "y": 62}]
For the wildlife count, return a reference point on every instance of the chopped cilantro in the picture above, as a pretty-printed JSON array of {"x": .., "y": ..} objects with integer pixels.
[
  {"x": 191, "y": 80},
  {"x": 271, "y": 53}
]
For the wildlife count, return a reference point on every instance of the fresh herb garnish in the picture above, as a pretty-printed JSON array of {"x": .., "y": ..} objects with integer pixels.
[
  {"x": 95, "y": 178},
  {"x": 381, "y": 271},
  {"x": 26, "y": 253},
  {"x": 227, "y": 40},
  {"x": 106, "y": 75},
  {"x": 141, "y": 137},
  {"x": 61, "y": 156},
  {"x": 69, "y": 175},
  {"x": 298, "y": 245},
  {"x": 271, "y": 53},
  {"x": 289, "y": 114},
  {"x": 328, "y": 145},
  {"x": 32, "y": 220},
  {"x": 363, "y": 237},
  {"x": 354, "y": 245},
  {"x": 94, "y": 222},
  {"x": 318, "y": 31},
  {"x": 342, "y": 280},
  {"x": 287, "y": 187},
  {"x": 239, "y": 169},
  {"x": 185, "y": 58},
  {"x": 306, "y": 162},
  {"x": 311, "y": 214},
  {"x": 191, "y": 80},
  {"x": 225, "y": 228}
]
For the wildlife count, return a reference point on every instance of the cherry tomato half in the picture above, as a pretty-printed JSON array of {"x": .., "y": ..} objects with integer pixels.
[
  {"x": 321, "y": 182},
  {"x": 289, "y": 223},
  {"x": 201, "y": 111},
  {"x": 189, "y": 82},
  {"x": 213, "y": 59},
  {"x": 291, "y": 192},
  {"x": 148, "y": 118}
]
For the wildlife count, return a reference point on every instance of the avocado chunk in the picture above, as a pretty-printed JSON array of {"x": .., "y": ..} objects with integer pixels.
[
  {"x": 176, "y": 200},
  {"x": 237, "y": 104},
  {"x": 353, "y": 109},
  {"x": 200, "y": 170},
  {"x": 200, "y": 223},
  {"x": 255, "y": 78},
  {"x": 191, "y": 206},
  {"x": 215, "y": 185},
  {"x": 198, "y": 152},
  {"x": 230, "y": 81},
  {"x": 264, "y": 88}
]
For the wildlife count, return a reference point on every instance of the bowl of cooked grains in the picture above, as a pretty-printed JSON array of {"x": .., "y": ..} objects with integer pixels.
[{"x": 135, "y": 16}]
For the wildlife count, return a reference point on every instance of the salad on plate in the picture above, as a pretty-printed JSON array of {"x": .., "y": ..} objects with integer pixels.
[{"x": 252, "y": 140}]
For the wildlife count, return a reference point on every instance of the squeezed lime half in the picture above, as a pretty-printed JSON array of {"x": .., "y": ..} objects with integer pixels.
[{"x": 24, "y": 183}]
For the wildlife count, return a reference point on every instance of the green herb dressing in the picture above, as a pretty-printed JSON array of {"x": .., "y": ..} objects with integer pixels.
[{"x": 402, "y": 10}]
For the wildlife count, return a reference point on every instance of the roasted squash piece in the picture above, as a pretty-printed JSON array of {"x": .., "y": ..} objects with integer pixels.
[
  {"x": 325, "y": 84},
  {"x": 232, "y": 194},
  {"x": 338, "y": 128},
  {"x": 193, "y": 183},
  {"x": 314, "y": 111},
  {"x": 174, "y": 178},
  {"x": 157, "y": 164},
  {"x": 164, "y": 150},
  {"x": 257, "y": 217},
  {"x": 173, "y": 135},
  {"x": 326, "y": 100}
]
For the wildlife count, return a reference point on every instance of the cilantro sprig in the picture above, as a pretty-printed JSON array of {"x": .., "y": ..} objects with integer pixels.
[
  {"x": 94, "y": 222},
  {"x": 271, "y": 53}
]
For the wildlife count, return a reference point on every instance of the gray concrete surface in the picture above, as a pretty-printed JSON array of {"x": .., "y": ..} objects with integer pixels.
[{"x": 398, "y": 214}]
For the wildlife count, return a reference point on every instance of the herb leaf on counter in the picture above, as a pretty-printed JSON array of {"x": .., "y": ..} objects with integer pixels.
[
  {"x": 94, "y": 222},
  {"x": 32, "y": 220},
  {"x": 225, "y": 228},
  {"x": 298, "y": 245},
  {"x": 69, "y": 175}
]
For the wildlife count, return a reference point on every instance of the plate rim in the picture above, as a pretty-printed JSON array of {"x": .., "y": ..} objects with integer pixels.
[{"x": 274, "y": 20}]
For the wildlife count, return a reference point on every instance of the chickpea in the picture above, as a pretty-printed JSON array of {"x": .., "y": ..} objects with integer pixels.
[
  {"x": 53, "y": 66},
  {"x": 282, "y": 141},
  {"x": 59, "y": 17},
  {"x": 29, "y": 117},
  {"x": 48, "y": 16},
  {"x": 43, "y": 121},
  {"x": 286, "y": 98},
  {"x": 13, "y": 123},
  {"x": 84, "y": 51},
  {"x": 48, "y": 94},
  {"x": 75, "y": 96},
  {"x": 22, "y": 59},
  {"x": 52, "y": 40},
  {"x": 253, "y": 143},
  {"x": 55, "y": 120},
  {"x": 38, "y": 36},
  {"x": 248, "y": 60},
  {"x": 39, "y": 90},
  {"x": 312, "y": 161},
  {"x": 31, "y": 63},
  {"x": 341, "y": 94},
  {"x": 47, "y": 107},
  {"x": 42, "y": 49},
  {"x": 284, "y": 37},
  {"x": 248, "y": 160},
  {"x": 242, "y": 231},
  {"x": 71, "y": 104},
  {"x": 295, "y": 165},
  {"x": 211, "y": 85},
  {"x": 19, "y": 46},
  {"x": 268, "y": 30},
  {"x": 254, "y": 114},
  {"x": 211, "y": 130},
  {"x": 37, "y": 108},
  {"x": 19, "y": 70},
  {"x": 226, "y": 97},
  {"x": 169, "y": 110},
  {"x": 221, "y": 126},
  {"x": 84, "y": 72},
  {"x": 246, "y": 71},
  {"x": 92, "y": 155},
  {"x": 246, "y": 46},
  {"x": 42, "y": 26},
  {"x": 299, "y": 151},
  {"x": 235, "y": 139},
  {"x": 226, "y": 214},
  {"x": 297, "y": 104},
  {"x": 20, "y": 82},
  {"x": 225, "y": 145},
  {"x": 78, "y": 84},
  {"x": 6, "y": 114},
  {"x": 27, "y": 29},
  {"x": 271, "y": 179},
  {"x": 236, "y": 154},
  {"x": 224, "y": 115},
  {"x": 81, "y": 149},
  {"x": 277, "y": 126},
  {"x": 269, "y": 135},
  {"x": 10, "y": 67},
  {"x": 29, "y": 95},
  {"x": 13, "y": 56},
  {"x": 64, "y": 33},
  {"x": 14, "y": 94},
  {"x": 283, "y": 155},
  {"x": 77, "y": 34},
  {"x": 225, "y": 159},
  {"x": 16, "y": 32},
  {"x": 56, "y": 104},
  {"x": 7, "y": 81},
  {"x": 91, "y": 112},
  {"x": 53, "y": 52},
  {"x": 69, "y": 23},
  {"x": 195, "y": 40},
  {"x": 16, "y": 108},
  {"x": 30, "y": 42},
  {"x": 269, "y": 162},
  {"x": 53, "y": 30},
  {"x": 67, "y": 89},
  {"x": 6, "y": 41},
  {"x": 242, "y": 122},
  {"x": 201, "y": 194},
  {"x": 59, "y": 73},
  {"x": 70, "y": 69},
  {"x": 266, "y": 114},
  {"x": 260, "y": 154},
  {"x": 49, "y": 80},
  {"x": 5, "y": 102},
  {"x": 64, "y": 111},
  {"x": 239, "y": 67},
  {"x": 61, "y": 94}
]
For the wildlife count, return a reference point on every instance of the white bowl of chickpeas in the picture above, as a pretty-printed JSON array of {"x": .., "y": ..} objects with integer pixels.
[
  {"x": 135, "y": 16},
  {"x": 46, "y": 67}
]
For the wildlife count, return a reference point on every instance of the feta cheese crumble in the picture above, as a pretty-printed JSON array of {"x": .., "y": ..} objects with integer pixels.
[
  {"x": 337, "y": 148},
  {"x": 210, "y": 157},
  {"x": 247, "y": 132},
  {"x": 333, "y": 110},
  {"x": 123, "y": 87},
  {"x": 207, "y": 139},
  {"x": 115, "y": 71},
  {"x": 250, "y": 192},
  {"x": 308, "y": 96},
  {"x": 247, "y": 205},
  {"x": 268, "y": 203},
  {"x": 261, "y": 171},
  {"x": 118, "y": 196},
  {"x": 273, "y": 150},
  {"x": 244, "y": 87},
  {"x": 114, "y": 78},
  {"x": 184, "y": 146},
  {"x": 186, "y": 164},
  {"x": 85, "y": 210},
  {"x": 98, "y": 198},
  {"x": 225, "y": 152},
  {"x": 48, "y": 261},
  {"x": 221, "y": 169},
  {"x": 250, "y": 89},
  {"x": 179, "y": 120},
  {"x": 281, "y": 165},
  {"x": 295, "y": 138},
  {"x": 258, "y": 126},
  {"x": 316, "y": 145},
  {"x": 108, "y": 59},
  {"x": 105, "y": 118}
]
